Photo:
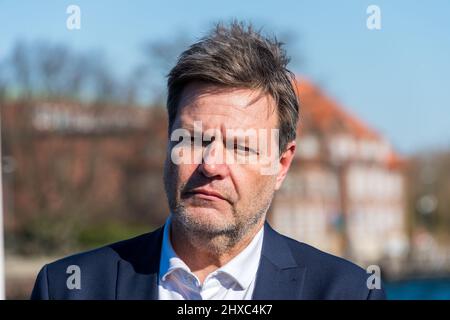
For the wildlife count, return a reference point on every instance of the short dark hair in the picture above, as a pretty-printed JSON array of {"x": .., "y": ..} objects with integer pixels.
[{"x": 237, "y": 56}]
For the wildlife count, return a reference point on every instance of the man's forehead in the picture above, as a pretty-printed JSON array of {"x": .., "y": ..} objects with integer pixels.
[{"x": 236, "y": 108}]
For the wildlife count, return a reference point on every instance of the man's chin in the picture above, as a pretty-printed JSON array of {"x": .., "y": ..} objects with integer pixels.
[{"x": 208, "y": 220}]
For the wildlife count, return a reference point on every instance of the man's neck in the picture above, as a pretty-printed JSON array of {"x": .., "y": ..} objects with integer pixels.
[{"x": 201, "y": 259}]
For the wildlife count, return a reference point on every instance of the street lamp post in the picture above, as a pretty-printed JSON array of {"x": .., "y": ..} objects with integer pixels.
[{"x": 2, "y": 252}]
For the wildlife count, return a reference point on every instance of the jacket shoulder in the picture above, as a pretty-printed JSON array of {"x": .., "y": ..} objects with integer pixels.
[
  {"x": 102, "y": 256},
  {"x": 331, "y": 277},
  {"x": 94, "y": 269}
]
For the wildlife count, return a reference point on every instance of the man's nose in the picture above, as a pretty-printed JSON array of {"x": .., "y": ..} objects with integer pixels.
[{"x": 213, "y": 161}]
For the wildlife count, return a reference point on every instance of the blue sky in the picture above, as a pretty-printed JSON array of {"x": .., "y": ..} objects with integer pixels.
[{"x": 397, "y": 78}]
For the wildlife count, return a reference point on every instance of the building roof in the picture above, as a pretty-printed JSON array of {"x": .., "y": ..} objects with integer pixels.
[
  {"x": 324, "y": 116},
  {"x": 320, "y": 113}
]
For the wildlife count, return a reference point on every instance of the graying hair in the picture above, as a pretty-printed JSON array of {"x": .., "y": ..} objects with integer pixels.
[{"x": 237, "y": 56}]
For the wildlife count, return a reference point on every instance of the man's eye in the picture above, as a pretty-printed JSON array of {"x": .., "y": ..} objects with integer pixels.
[
  {"x": 244, "y": 149},
  {"x": 180, "y": 139},
  {"x": 241, "y": 148},
  {"x": 203, "y": 142}
]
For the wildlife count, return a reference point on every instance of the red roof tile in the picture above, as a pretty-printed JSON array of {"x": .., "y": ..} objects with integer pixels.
[{"x": 320, "y": 113}]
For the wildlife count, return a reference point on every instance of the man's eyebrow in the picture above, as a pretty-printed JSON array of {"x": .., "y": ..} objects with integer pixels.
[
  {"x": 187, "y": 126},
  {"x": 242, "y": 140},
  {"x": 240, "y": 137}
]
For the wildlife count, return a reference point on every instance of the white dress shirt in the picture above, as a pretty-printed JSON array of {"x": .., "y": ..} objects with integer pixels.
[{"x": 233, "y": 281}]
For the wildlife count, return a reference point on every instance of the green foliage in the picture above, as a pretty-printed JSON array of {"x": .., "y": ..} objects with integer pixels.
[
  {"x": 44, "y": 234},
  {"x": 61, "y": 236},
  {"x": 110, "y": 231}
]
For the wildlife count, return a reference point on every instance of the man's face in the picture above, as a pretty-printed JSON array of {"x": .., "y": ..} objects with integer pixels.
[{"x": 242, "y": 193}]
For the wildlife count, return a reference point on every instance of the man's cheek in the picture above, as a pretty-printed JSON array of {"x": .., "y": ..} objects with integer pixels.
[{"x": 184, "y": 172}]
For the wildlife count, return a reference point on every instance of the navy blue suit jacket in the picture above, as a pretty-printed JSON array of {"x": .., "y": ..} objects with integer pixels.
[{"x": 129, "y": 270}]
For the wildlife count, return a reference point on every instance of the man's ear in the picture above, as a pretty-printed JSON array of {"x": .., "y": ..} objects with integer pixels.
[{"x": 285, "y": 163}]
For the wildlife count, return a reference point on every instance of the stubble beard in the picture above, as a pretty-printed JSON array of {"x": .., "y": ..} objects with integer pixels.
[
  {"x": 213, "y": 238},
  {"x": 208, "y": 236}
]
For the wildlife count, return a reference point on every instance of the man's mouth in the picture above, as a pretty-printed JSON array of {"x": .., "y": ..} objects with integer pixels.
[{"x": 206, "y": 194}]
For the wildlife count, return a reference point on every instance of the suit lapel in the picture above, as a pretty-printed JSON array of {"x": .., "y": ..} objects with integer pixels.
[
  {"x": 279, "y": 276},
  {"x": 137, "y": 271},
  {"x": 135, "y": 286}
]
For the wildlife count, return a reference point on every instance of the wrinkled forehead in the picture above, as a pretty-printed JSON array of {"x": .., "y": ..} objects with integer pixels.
[{"x": 225, "y": 108}]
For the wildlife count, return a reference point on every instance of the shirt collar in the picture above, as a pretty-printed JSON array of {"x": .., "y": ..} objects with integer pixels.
[
  {"x": 169, "y": 259},
  {"x": 242, "y": 268}
]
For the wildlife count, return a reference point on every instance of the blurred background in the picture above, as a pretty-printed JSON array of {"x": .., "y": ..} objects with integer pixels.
[{"x": 83, "y": 129}]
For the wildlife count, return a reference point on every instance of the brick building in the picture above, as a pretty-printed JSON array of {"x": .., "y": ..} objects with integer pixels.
[{"x": 345, "y": 192}]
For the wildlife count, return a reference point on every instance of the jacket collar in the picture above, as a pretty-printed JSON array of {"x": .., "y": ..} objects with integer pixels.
[
  {"x": 279, "y": 276},
  {"x": 137, "y": 270}
]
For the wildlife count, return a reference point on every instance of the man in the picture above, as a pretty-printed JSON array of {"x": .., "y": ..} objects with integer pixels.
[{"x": 233, "y": 115}]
